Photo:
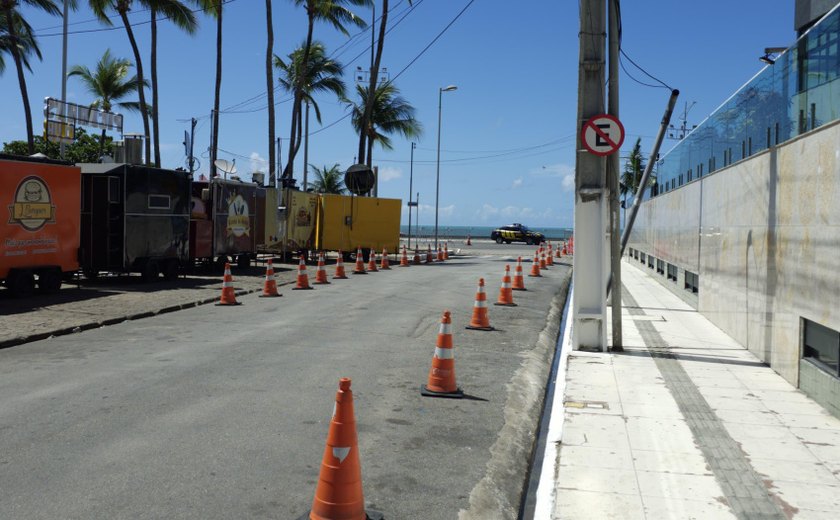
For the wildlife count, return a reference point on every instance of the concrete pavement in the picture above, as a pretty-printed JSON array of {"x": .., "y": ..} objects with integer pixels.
[{"x": 685, "y": 423}]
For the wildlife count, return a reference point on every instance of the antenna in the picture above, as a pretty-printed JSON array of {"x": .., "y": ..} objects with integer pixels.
[
  {"x": 679, "y": 133},
  {"x": 226, "y": 166}
]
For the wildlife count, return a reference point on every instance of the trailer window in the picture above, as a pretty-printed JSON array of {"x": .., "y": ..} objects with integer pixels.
[
  {"x": 159, "y": 202},
  {"x": 113, "y": 190}
]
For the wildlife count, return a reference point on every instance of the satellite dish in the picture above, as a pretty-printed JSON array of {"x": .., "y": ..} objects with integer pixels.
[
  {"x": 359, "y": 179},
  {"x": 225, "y": 166}
]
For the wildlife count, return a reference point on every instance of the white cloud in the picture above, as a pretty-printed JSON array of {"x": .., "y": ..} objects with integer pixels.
[
  {"x": 447, "y": 211},
  {"x": 509, "y": 211},
  {"x": 568, "y": 182},
  {"x": 565, "y": 172},
  {"x": 258, "y": 163},
  {"x": 486, "y": 212},
  {"x": 389, "y": 173},
  {"x": 517, "y": 183}
]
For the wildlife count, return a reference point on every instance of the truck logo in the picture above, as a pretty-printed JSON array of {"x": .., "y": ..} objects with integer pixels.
[
  {"x": 237, "y": 221},
  {"x": 32, "y": 207}
]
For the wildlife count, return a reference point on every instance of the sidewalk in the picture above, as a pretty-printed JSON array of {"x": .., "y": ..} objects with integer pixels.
[{"x": 684, "y": 424}]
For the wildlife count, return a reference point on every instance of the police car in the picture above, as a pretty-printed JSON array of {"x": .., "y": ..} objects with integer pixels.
[{"x": 516, "y": 233}]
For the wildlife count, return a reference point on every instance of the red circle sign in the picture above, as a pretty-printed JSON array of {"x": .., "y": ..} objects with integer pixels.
[{"x": 602, "y": 134}]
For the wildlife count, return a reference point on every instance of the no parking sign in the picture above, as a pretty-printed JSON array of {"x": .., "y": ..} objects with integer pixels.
[{"x": 603, "y": 134}]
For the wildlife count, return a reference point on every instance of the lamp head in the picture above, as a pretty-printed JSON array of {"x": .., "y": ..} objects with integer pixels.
[
  {"x": 767, "y": 59},
  {"x": 449, "y": 88}
]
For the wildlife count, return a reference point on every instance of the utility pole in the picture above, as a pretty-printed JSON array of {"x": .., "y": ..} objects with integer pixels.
[
  {"x": 410, "y": 190},
  {"x": 64, "y": 67},
  {"x": 213, "y": 151},
  {"x": 612, "y": 175},
  {"x": 591, "y": 216},
  {"x": 306, "y": 148},
  {"x": 191, "y": 158}
]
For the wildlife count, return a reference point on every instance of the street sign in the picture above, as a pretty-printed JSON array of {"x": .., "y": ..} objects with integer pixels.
[
  {"x": 412, "y": 204},
  {"x": 603, "y": 134}
]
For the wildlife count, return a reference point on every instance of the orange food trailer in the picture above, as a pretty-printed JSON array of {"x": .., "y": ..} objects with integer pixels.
[{"x": 39, "y": 241}]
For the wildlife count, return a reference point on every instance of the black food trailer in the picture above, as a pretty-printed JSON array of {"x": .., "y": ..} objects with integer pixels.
[{"x": 134, "y": 219}]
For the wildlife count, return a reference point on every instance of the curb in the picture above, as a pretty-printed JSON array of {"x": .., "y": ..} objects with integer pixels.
[{"x": 20, "y": 340}]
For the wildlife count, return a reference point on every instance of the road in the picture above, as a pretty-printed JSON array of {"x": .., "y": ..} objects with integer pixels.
[{"x": 222, "y": 412}]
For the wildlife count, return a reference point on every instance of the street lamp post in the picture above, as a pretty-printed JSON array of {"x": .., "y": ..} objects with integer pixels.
[
  {"x": 410, "y": 190},
  {"x": 437, "y": 177}
]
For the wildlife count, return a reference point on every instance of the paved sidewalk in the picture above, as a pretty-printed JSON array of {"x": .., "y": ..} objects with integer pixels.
[{"x": 684, "y": 424}]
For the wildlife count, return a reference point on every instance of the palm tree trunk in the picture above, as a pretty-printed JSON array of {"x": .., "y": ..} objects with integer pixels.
[
  {"x": 155, "y": 120},
  {"x": 297, "y": 108},
  {"x": 269, "y": 81},
  {"x": 215, "y": 144},
  {"x": 30, "y": 137},
  {"x": 140, "y": 82},
  {"x": 374, "y": 73},
  {"x": 288, "y": 172},
  {"x": 102, "y": 141}
]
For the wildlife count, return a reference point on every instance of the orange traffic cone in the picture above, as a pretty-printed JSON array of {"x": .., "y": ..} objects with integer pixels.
[
  {"x": 480, "y": 320},
  {"x": 339, "y": 268},
  {"x": 439, "y": 254},
  {"x": 541, "y": 253},
  {"x": 518, "y": 280},
  {"x": 320, "y": 272},
  {"x": 270, "y": 285},
  {"x": 446, "y": 251},
  {"x": 339, "y": 492},
  {"x": 385, "y": 265},
  {"x": 442, "y": 374},
  {"x": 429, "y": 257},
  {"x": 549, "y": 256},
  {"x": 228, "y": 296},
  {"x": 416, "y": 259},
  {"x": 469, "y": 240},
  {"x": 404, "y": 259},
  {"x": 360, "y": 263},
  {"x": 302, "y": 277},
  {"x": 506, "y": 291},
  {"x": 535, "y": 266},
  {"x": 372, "y": 262}
]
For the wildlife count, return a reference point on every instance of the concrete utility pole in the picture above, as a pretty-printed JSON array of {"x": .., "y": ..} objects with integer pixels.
[
  {"x": 591, "y": 218},
  {"x": 613, "y": 175}
]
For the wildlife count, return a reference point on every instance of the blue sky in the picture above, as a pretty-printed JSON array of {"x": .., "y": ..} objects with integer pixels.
[{"x": 508, "y": 131}]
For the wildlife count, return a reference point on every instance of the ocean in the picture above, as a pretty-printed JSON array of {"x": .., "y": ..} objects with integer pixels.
[{"x": 479, "y": 231}]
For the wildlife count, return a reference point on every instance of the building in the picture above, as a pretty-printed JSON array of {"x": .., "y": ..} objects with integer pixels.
[{"x": 744, "y": 219}]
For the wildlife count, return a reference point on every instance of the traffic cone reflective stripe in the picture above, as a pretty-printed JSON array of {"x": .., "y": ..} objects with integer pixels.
[
  {"x": 320, "y": 272},
  {"x": 339, "y": 268},
  {"x": 228, "y": 295},
  {"x": 535, "y": 267},
  {"x": 302, "y": 277},
  {"x": 404, "y": 259},
  {"x": 541, "y": 254},
  {"x": 549, "y": 257},
  {"x": 270, "y": 285},
  {"x": 384, "y": 265},
  {"x": 416, "y": 258},
  {"x": 372, "y": 262},
  {"x": 429, "y": 258},
  {"x": 480, "y": 320},
  {"x": 518, "y": 279},
  {"x": 441, "y": 382},
  {"x": 440, "y": 254},
  {"x": 360, "y": 263},
  {"x": 339, "y": 492},
  {"x": 506, "y": 291}
]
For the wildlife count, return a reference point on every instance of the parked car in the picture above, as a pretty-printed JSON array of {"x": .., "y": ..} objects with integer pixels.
[{"x": 516, "y": 233}]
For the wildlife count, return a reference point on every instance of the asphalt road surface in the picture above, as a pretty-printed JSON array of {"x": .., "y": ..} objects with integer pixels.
[{"x": 223, "y": 412}]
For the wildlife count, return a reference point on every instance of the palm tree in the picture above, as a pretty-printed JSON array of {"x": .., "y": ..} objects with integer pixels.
[
  {"x": 269, "y": 90},
  {"x": 328, "y": 179},
  {"x": 27, "y": 45},
  {"x": 184, "y": 19},
  {"x": 214, "y": 8},
  {"x": 336, "y": 14},
  {"x": 122, "y": 7},
  {"x": 319, "y": 74},
  {"x": 108, "y": 84},
  {"x": 631, "y": 178},
  {"x": 390, "y": 113},
  {"x": 20, "y": 46}
]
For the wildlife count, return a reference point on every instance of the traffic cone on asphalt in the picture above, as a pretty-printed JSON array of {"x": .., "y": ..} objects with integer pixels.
[
  {"x": 429, "y": 257},
  {"x": 535, "y": 266},
  {"x": 416, "y": 259},
  {"x": 480, "y": 320},
  {"x": 404, "y": 259},
  {"x": 441, "y": 381},
  {"x": 270, "y": 285},
  {"x": 440, "y": 254},
  {"x": 360, "y": 263},
  {"x": 372, "y": 262},
  {"x": 518, "y": 280},
  {"x": 469, "y": 240},
  {"x": 320, "y": 272},
  {"x": 565, "y": 249},
  {"x": 446, "y": 250},
  {"x": 506, "y": 291},
  {"x": 339, "y": 492},
  {"x": 228, "y": 296},
  {"x": 339, "y": 268},
  {"x": 384, "y": 264},
  {"x": 302, "y": 277},
  {"x": 549, "y": 256},
  {"x": 541, "y": 253}
]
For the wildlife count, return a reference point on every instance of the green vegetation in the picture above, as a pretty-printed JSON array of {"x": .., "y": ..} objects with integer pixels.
[
  {"x": 390, "y": 114},
  {"x": 328, "y": 179},
  {"x": 84, "y": 150}
]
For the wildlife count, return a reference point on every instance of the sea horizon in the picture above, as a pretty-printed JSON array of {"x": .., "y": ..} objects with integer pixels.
[{"x": 551, "y": 233}]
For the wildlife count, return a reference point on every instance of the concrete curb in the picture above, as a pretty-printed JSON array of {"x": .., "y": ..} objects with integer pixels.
[{"x": 20, "y": 340}]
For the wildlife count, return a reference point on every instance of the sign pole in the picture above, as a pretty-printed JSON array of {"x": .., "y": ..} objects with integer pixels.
[{"x": 612, "y": 175}]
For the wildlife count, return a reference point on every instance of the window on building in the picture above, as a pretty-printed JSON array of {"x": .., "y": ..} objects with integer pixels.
[
  {"x": 672, "y": 272},
  {"x": 650, "y": 261},
  {"x": 821, "y": 345},
  {"x": 642, "y": 258},
  {"x": 660, "y": 266},
  {"x": 159, "y": 202},
  {"x": 692, "y": 281}
]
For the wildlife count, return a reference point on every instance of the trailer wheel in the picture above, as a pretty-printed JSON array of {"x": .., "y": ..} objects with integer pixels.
[
  {"x": 49, "y": 281},
  {"x": 243, "y": 261},
  {"x": 150, "y": 271},
  {"x": 170, "y": 270},
  {"x": 91, "y": 274},
  {"x": 20, "y": 283}
]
